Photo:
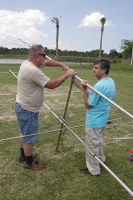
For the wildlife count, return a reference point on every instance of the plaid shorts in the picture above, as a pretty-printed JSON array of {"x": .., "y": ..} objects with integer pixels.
[{"x": 28, "y": 124}]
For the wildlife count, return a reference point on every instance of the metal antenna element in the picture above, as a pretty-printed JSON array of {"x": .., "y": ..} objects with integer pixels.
[
  {"x": 64, "y": 115},
  {"x": 92, "y": 153},
  {"x": 126, "y": 138},
  {"x": 102, "y": 95},
  {"x": 41, "y": 133},
  {"x": 13, "y": 73}
]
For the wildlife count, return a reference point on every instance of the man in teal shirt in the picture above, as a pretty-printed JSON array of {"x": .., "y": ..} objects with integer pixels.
[{"x": 97, "y": 113}]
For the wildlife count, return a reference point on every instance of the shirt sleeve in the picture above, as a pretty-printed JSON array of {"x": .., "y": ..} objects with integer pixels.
[{"x": 40, "y": 78}]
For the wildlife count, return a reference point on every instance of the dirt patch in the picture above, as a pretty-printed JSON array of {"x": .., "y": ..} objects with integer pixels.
[{"x": 7, "y": 118}]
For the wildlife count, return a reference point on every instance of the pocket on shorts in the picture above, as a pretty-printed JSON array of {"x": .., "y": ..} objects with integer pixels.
[
  {"x": 24, "y": 118},
  {"x": 18, "y": 108}
]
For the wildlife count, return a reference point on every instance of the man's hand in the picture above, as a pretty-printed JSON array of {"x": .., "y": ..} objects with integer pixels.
[
  {"x": 84, "y": 83},
  {"x": 70, "y": 72}
]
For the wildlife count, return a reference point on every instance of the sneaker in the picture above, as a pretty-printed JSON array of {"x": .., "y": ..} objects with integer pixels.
[
  {"x": 22, "y": 158},
  {"x": 85, "y": 170},
  {"x": 35, "y": 166}
]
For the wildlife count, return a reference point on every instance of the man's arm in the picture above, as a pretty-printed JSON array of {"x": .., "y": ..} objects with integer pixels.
[
  {"x": 78, "y": 84},
  {"x": 53, "y": 63},
  {"x": 51, "y": 84},
  {"x": 85, "y": 94}
]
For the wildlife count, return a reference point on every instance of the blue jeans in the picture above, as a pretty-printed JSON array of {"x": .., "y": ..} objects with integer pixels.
[{"x": 28, "y": 124}]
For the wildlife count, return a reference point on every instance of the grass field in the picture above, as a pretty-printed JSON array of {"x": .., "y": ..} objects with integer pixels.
[{"x": 62, "y": 180}]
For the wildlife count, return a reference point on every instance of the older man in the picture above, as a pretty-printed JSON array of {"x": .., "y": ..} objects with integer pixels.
[{"x": 30, "y": 97}]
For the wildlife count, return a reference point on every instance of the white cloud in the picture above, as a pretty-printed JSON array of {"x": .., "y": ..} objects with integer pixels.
[
  {"x": 24, "y": 25},
  {"x": 93, "y": 20}
]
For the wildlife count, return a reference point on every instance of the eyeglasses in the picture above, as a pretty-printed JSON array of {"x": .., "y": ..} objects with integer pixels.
[{"x": 42, "y": 54}]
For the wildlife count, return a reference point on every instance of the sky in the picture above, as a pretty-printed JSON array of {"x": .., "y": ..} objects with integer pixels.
[{"x": 26, "y": 22}]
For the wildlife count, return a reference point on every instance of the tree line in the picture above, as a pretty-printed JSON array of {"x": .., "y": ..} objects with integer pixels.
[{"x": 126, "y": 52}]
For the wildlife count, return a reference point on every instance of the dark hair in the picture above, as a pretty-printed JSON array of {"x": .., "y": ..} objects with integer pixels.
[{"x": 104, "y": 64}]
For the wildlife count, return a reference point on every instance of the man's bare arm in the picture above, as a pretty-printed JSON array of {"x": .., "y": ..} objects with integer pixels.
[{"x": 54, "y": 63}]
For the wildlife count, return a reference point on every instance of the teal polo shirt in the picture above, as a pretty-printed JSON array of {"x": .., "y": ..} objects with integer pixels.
[{"x": 97, "y": 116}]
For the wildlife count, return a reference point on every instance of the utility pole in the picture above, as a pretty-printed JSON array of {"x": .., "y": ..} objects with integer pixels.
[
  {"x": 132, "y": 56},
  {"x": 56, "y": 21},
  {"x": 103, "y": 21}
]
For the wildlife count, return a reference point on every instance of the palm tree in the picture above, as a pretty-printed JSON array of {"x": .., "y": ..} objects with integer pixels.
[
  {"x": 103, "y": 21},
  {"x": 56, "y": 21}
]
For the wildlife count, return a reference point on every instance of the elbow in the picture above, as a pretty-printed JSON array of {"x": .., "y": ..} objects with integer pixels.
[
  {"x": 51, "y": 88},
  {"x": 87, "y": 106},
  {"x": 51, "y": 85}
]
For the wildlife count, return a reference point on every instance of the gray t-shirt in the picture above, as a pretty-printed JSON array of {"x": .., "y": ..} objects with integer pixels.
[{"x": 31, "y": 82}]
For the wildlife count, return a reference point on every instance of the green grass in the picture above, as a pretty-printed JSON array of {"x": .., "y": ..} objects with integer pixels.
[{"x": 62, "y": 180}]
